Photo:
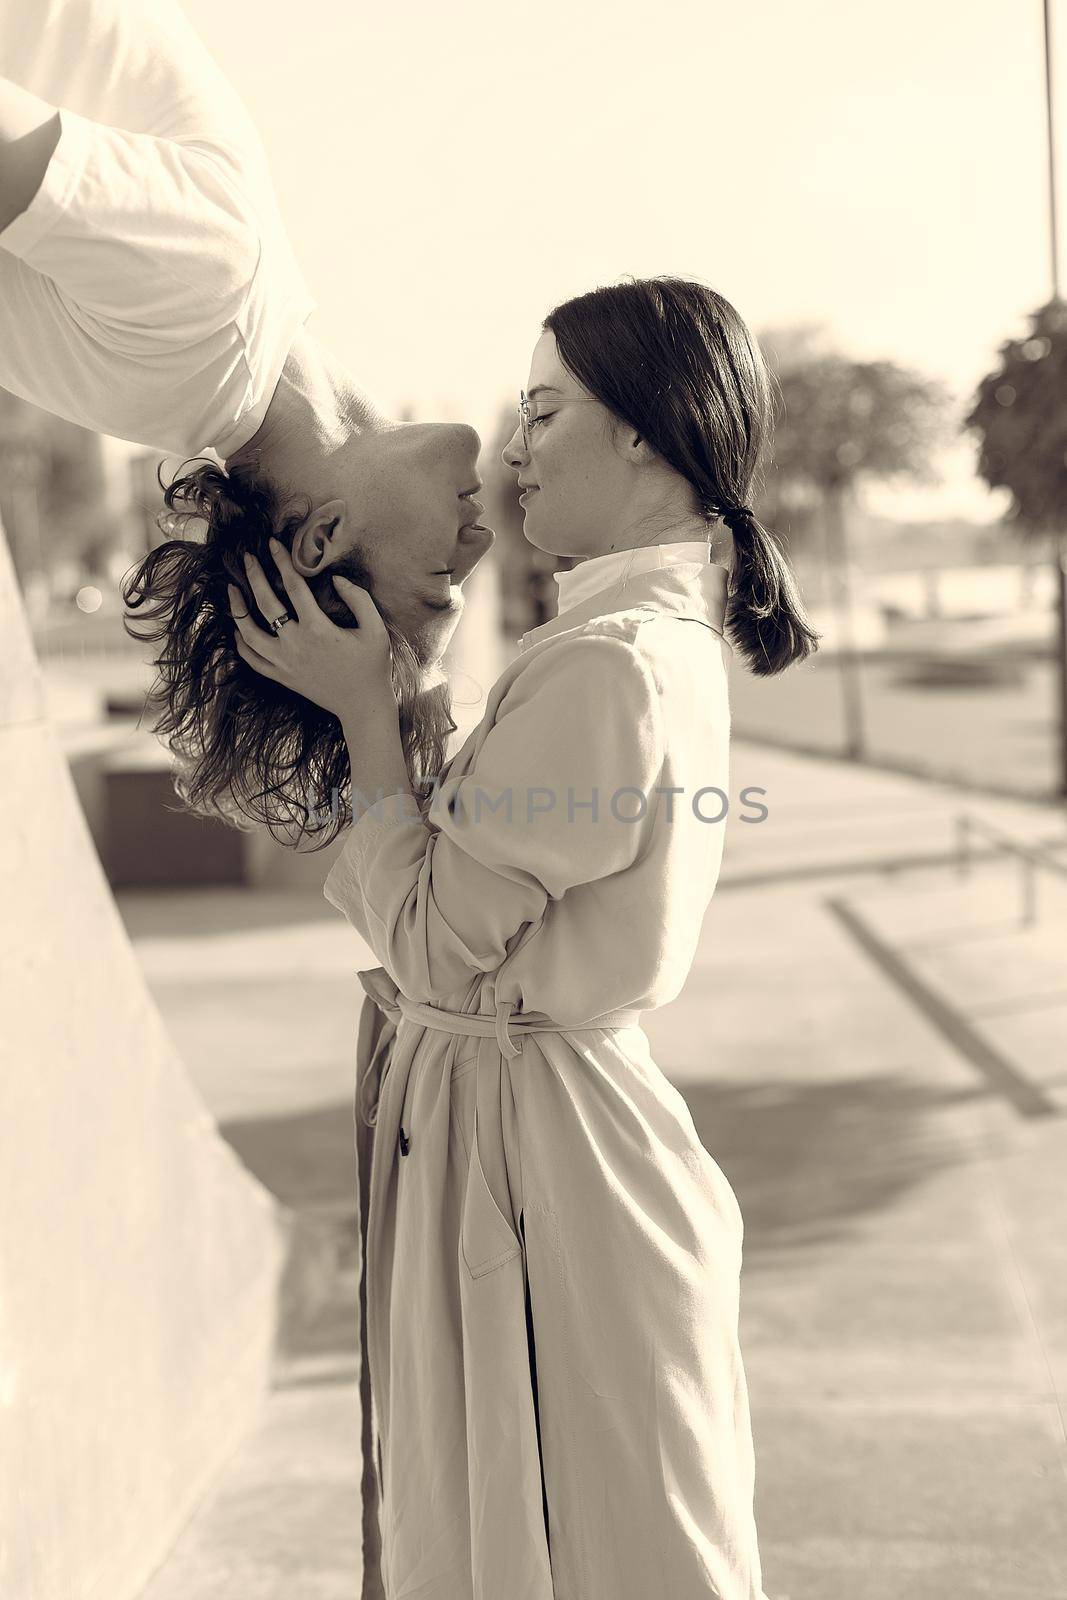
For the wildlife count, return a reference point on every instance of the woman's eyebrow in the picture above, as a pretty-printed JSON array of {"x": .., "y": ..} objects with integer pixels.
[{"x": 543, "y": 388}]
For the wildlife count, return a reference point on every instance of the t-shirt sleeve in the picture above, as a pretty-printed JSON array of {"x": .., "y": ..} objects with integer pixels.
[
  {"x": 560, "y": 794},
  {"x": 149, "y": 290}
]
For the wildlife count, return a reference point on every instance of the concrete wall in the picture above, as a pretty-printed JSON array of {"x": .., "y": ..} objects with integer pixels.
[{"x": 139, "y": 1260}]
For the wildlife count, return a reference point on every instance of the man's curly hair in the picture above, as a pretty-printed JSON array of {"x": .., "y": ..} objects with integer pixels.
[{"x": 247, "y": 749}]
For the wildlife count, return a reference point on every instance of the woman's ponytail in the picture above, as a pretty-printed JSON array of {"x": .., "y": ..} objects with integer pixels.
[{"x": 765, "y": 615}]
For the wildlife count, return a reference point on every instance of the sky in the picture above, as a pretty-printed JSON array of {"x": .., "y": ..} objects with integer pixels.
[{"x": 451, "y": 169}]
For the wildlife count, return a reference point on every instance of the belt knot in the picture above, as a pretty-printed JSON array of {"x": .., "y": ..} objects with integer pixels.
[{"x": 508, "y": 1047}]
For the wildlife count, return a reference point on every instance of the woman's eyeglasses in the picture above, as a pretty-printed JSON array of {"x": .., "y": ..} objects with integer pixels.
[{"x": 525, "y": 419}]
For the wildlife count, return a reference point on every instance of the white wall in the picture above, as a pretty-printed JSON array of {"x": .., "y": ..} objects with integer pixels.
[{"x": 139, "y": 1260}]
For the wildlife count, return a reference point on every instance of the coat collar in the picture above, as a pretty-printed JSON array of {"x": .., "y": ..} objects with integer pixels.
[
  {"x": 685, "y": 589},
  {"x": 602, "y": 572}
]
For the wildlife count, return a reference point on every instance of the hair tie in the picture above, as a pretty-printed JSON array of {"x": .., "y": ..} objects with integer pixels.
[{"x": 732, "y": 514}]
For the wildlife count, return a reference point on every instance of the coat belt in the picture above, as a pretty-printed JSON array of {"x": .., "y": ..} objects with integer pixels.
[{"x": 379, "y": 1023}]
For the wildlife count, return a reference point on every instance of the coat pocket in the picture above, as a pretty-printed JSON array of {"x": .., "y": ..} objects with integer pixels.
[
  {"x": 487, "y": 1239},
  {"x": 486, "y": 1236},
  {"x": 466, "y": 1054}
]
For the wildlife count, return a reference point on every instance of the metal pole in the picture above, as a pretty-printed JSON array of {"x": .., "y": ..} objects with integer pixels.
[
  {"x": 1051, "y": 122},
  {"x": 1059, "y": 563},
  {"x": 1060, "y": 547},
  {"x": 1029, "y": 916},
  {"x": 836, "y": 533}
]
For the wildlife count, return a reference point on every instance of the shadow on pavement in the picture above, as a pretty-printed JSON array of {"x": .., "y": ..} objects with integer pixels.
[
  {"x": 808, "y": 1161},
  {"x": 308, "y": 1163}
]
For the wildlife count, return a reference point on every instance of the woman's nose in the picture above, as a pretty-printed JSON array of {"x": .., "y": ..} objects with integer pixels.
[{"x": 514, "y": 452}]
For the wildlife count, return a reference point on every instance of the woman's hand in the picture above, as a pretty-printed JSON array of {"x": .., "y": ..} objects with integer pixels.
[{"x": 344, "y": 670}]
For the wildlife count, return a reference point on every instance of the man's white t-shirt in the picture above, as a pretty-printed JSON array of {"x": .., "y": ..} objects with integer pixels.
[{"x": 149, "y": 290}]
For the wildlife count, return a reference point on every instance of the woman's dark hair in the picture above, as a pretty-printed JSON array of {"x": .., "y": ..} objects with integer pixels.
[
  {"x": 674, "y": 361},
  {"x": 248, "y": 749}
]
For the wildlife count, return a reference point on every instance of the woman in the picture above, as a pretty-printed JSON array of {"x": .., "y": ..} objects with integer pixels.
[{"x": 553, "y": 1258}]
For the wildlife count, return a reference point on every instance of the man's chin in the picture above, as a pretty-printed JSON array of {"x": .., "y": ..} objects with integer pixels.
[{"x": 437, "y": 637}]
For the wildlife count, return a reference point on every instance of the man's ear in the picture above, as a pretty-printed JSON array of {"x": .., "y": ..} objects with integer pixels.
[{"x": 316, "y": 542}]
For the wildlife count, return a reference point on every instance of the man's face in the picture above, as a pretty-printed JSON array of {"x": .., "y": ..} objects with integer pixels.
[{"x": 409, "y": 513}]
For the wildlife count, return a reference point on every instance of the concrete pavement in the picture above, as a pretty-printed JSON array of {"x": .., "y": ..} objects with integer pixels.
[{"x": 874, "y": 1050}]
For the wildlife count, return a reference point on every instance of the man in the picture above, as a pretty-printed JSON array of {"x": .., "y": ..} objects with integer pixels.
[{"x": 148, "y": 291}]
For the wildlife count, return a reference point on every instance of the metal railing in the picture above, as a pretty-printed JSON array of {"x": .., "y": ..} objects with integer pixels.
[{"x": 1031, "y": 858}]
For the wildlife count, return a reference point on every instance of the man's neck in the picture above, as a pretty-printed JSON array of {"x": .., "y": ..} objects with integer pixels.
[{"x": 315, "y": 411}]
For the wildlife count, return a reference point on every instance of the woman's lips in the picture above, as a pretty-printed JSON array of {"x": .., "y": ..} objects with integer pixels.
[{"x": 526, "y": 495}]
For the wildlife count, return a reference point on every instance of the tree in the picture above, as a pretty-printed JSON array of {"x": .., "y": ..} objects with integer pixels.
[
  {"x": 1020, "y": 416},
  {"x": 52, "y": 496},
  {"x": 843, "y": 422}
]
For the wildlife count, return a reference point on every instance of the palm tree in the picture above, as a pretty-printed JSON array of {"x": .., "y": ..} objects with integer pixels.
[
  {"x": 843, "y": 422},
  {"x": 1020, "y": 416}
]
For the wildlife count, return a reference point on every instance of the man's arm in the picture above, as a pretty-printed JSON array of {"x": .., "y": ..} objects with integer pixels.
[
  {"x": 147, "y": 289},
  {"x": 29, "y": 133}
]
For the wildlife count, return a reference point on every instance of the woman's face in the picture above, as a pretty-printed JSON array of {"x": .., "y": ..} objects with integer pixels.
[{"x": 576, "y": 477}]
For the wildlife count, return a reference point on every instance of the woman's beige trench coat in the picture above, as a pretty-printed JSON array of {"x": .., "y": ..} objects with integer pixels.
[{"x": 552, "y": 1257}]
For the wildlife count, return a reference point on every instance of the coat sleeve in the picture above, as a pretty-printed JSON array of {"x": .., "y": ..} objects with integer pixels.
[{"x": 559, "y": 794}]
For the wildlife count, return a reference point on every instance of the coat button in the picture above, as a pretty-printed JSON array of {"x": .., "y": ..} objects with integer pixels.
[{"x": 405, "y": 1142}]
